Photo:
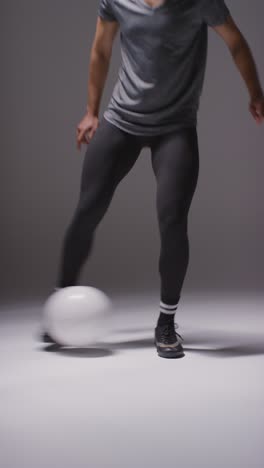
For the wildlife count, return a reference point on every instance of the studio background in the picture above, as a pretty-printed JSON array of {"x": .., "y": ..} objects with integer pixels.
[{"x": 45, "y": 56}]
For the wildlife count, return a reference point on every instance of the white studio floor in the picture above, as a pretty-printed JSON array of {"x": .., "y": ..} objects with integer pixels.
[{"x": 121, "y": 405}]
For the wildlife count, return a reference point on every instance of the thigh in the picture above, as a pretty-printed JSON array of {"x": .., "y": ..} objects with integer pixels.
[
  {"x": 110, "y": 154},
  {"x": 175, "y": 162}
]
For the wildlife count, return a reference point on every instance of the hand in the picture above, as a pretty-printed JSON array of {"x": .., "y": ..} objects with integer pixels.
[
  {"x": 256, "y": 107},
  {"x": 86, "y": 129}
]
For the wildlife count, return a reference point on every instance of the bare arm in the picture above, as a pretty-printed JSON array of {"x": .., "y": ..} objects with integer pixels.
[
  {"x": 100, "y": 57},
  {"x": 245, "y": 63}
]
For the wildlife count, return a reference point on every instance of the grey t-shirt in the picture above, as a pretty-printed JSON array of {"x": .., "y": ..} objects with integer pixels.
[{"x": 164, "y": 52}]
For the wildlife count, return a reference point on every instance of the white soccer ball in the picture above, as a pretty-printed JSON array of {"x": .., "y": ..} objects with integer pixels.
[{"x": 77, "y": 315}]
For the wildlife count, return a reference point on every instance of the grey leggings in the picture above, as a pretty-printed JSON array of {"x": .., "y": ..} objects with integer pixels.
[{"x": 109, "y": 156}]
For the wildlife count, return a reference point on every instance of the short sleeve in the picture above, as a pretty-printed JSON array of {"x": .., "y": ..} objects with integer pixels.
[
  {"x": 105, "y": 10},
  {"x": 214, "y": 12}
]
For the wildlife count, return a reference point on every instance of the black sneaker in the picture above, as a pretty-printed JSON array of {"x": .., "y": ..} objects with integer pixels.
[
  {"x": 45, "y": 337},
  {"x": 43, "y": 334},
  {"x": 168, "y": 341}
]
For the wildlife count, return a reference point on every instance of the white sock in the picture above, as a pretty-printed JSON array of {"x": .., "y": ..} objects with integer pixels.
[{"x": 167, "y": 308}]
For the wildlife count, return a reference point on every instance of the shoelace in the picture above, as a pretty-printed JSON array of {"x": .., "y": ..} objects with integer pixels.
[{"x": 167, "y": 331}]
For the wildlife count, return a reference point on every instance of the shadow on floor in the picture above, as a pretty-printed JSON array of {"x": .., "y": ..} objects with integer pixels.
[
  {"x": 219, "y": 345},
  {"x": 83, "y": 352}
]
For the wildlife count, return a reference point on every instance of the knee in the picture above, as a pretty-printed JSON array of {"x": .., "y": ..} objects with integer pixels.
[
  {"x": 84, "y": 202},
  {"x": 90, "y": 200},
  {"x": 173, "y": 219}
]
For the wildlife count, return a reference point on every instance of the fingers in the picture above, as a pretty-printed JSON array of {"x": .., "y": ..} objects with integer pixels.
[
  {"x": 260, "y": 110},
  {"x": 254, "y": 113},
  {"x": 83, "y": 137},
  {"x": 79, "y": 138},
  {"x": 85, "y": 131},
  {"x": 257, "y": 111}
]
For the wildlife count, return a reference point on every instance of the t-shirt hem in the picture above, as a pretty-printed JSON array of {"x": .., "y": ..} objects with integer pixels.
[{"x": 138, "y": 130}]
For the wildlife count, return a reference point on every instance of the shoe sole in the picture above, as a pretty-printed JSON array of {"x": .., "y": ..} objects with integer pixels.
[{"x": 169, "y": 354}]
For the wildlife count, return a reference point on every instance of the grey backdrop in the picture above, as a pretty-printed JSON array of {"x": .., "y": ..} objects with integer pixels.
[{"x": 45, "y": 55}]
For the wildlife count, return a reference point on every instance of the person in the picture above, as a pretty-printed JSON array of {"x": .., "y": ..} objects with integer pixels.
[{"x": 154, "y": 104}]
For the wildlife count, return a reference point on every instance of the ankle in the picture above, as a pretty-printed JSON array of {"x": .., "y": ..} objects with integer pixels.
[
  {"x": 167, "y": 310},
  {"x": 165, "y": 319}
]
